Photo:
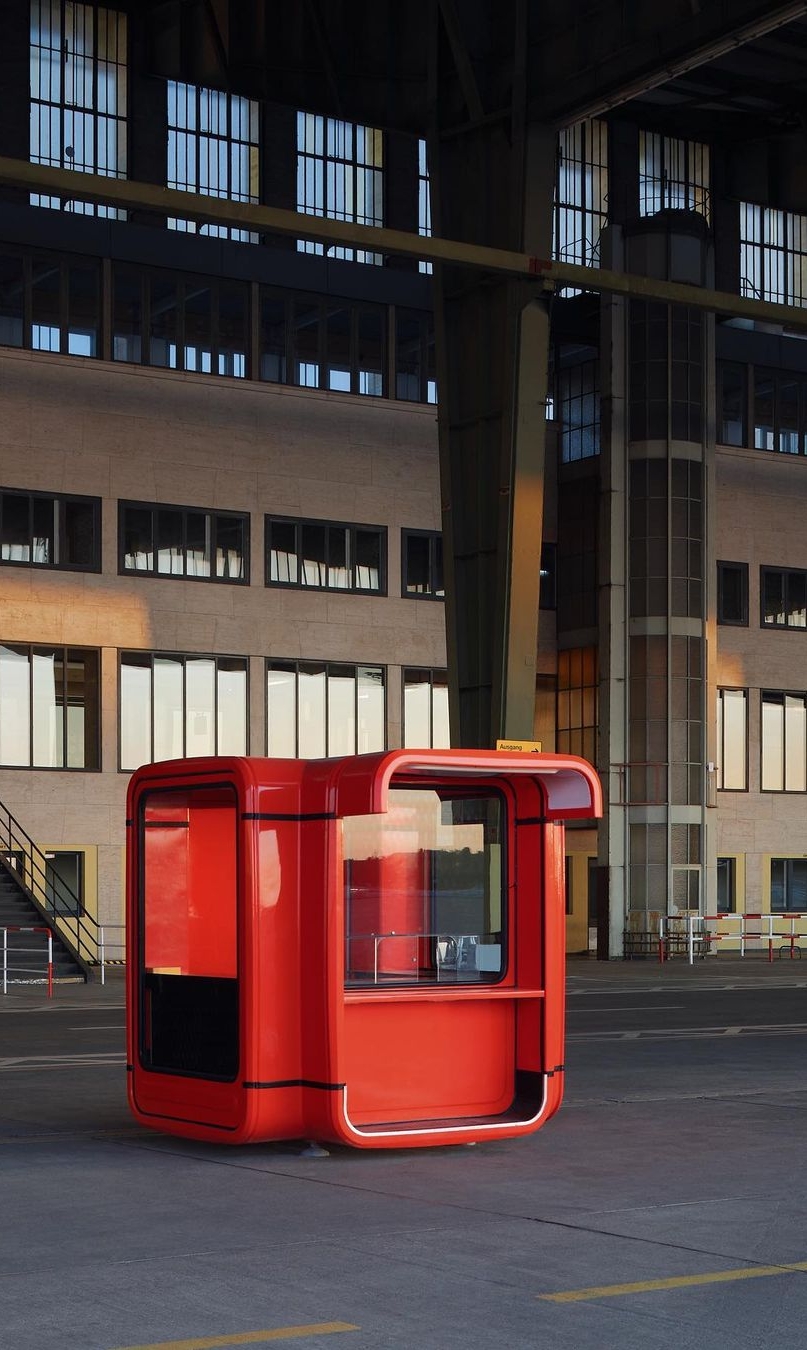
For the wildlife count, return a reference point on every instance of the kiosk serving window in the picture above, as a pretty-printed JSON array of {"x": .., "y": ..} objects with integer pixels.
[{"x": 423, "y": 890}]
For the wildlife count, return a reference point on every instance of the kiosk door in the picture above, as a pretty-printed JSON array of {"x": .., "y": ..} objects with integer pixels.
[{"x": 189, "y": 1013}]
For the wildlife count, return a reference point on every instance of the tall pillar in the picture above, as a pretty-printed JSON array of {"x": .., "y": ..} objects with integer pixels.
[
  {"x": 492, "y": 185},
  {"x": 656, "y": 835}
]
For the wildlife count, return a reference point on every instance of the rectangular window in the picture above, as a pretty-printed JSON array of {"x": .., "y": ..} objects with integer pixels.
[
  {"x": 732, "y": 593},
  {"x": 581, "y": 193},
  {"x": 415, "y": 368},
  {"x": 174, "y": 706},
  {"x": 424, "y": 202},
  {"x": 773, "y": 254},
  {"x": 78, "y": 94},
  {"x": 727, "y": 885},
  {"x": 49, "y": 707},
  {"x": 317, "y": 709},
  {"x": 40, "y": 530},
  {"x": 549, "y": 577},
  {"x": 732, "y": 398},
  {"x": 673, "y": 175},
  {"x": 180, "y": 322},
  {"x": 325, "y": 555},
  {"x": 788, "y": 885},
  {"x": 422, "y": 564},
  {"x": 576, "y": 719},
  {"x": 339, "y": 175},
  {"x": 779, "y": 412},
  {"x": 425, "y": 709},
  {"x": 784, "y": 742},
  {"x": 578, "y": 410},
  {"x": 213, "y": 149},
  {"x": 732, "y": 740},
  {"x": 783, "y": 597},
  {"x": 181, "y": 541},
  {"x": 423, "y": 890}
]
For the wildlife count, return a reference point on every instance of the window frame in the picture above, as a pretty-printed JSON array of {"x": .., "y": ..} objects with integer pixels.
[
  {"x": 32, "y": 649},
  {"x": 428, "y": 673},
  {"x": 294, "y": 665},
  {"x": 59, "y": 500},
  {"x": 720, "y": 735},
  {"x": 772, "y": 696},
  {"x": 210, "y": 514},
  {"x": 731, "y": 873},
  {"x": 786, "y": 862},
  {"x": 198, "y": 140},
  {"x": 742, "y": 569},
  {"x": 182, "y": 657},
  {"x": 48, "y": 109},
  {"x": 299, "y": 522},
  {"x": 784, "y": 572},
  {"x": 485, "y": 791},
  {"x": 433, "y": 537}
]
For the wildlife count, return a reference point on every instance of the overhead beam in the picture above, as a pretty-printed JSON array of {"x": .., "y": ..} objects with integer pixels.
[
  {"x": 634, "y": 63},
  {"x": 127, "y": 195}
]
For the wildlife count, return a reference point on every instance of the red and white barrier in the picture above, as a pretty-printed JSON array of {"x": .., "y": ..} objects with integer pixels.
[{"x": 751, "y": 927}]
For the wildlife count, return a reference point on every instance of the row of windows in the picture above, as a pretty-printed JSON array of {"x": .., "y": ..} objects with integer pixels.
[
  {"x": 761, "y": 408},
  {"x": 174, "y": 705},
  {"x": 782, "y": 596},
  {"x": 64, "y": 532},
  {"x": 213, "y": 326},
  {"x": 79, "y": 110},
  {"x": 783, "y": 741}
]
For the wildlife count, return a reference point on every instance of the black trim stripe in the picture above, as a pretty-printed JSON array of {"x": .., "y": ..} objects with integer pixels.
[
  {"x": 532, "y": 820},
  {"x": 129, "y": 822},
  {"x": 296, "y": 1082},
  {"x": 288, "y": 815},
  {"x": 166, "y": 824}
]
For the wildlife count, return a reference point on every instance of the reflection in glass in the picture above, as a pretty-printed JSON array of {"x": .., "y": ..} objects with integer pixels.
[
  {"x": 311, "y": 712},
  {"x": 48, "y": 709},
  {"x": 135, "y": 710},
  {"x": 371, "y": 710},
  {"x": 168, "y": 710},
  {"x": 281, "y": 711},
  {"x": 200, "y": 697},
  {"x": 231, "y": 688},
  {"x": 423, "y": 890},
  {"x": 341, "y": 710},
  {"x": 170, "y": 543},
  {"x": 283, "y": 552}
]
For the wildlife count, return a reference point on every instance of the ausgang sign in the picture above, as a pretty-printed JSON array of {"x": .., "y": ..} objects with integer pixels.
[{"x": 533, "y": 747}]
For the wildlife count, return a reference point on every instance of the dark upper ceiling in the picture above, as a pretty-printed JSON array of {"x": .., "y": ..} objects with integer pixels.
[{"x": 742, "y": 63}]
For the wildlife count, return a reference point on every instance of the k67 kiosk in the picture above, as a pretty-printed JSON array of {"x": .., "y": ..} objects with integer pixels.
[{"x": 366, "y": 950}]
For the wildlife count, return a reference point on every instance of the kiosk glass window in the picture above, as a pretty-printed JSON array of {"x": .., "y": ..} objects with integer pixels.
[{"x": 423, "y": 890}]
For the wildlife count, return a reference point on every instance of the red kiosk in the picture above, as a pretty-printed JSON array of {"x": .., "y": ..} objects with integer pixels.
[{"x": 366, "y": 950}]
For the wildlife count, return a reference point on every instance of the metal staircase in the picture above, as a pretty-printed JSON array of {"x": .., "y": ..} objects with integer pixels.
[{"x": 33, "y": 897}]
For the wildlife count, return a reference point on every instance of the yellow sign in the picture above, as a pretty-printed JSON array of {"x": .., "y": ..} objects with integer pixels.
[{"x": 532, "y": 747}]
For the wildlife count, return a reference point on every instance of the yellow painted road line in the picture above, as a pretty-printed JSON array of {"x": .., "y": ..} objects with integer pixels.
[
  {"x": 676, "y": 1282},
  {"x": 249, "y": 1337}
]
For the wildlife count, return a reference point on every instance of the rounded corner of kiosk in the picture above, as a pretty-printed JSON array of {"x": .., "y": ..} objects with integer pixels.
[{"x": 352, "y": 950}]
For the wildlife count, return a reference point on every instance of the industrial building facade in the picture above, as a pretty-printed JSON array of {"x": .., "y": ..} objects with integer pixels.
[{"x": 220, "y": 519}]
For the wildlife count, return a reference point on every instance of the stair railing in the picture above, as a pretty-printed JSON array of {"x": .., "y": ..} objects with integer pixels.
[{"x": 53, "y": 898}]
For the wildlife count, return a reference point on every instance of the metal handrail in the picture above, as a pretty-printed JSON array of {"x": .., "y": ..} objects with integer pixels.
[
  {"x": 53, "y": 899},
  {"x": 441, "y": 959}
]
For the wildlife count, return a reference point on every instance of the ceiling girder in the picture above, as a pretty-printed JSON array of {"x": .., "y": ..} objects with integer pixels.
[{"x": 546, "y": 275}]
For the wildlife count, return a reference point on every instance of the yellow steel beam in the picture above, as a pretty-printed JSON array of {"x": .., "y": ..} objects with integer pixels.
[{"x": 134, "y": 196}]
